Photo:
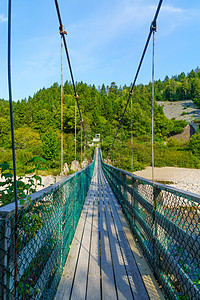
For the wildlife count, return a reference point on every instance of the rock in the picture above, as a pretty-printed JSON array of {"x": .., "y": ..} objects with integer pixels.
[
  {"x": 65, "y": 169},
  {"x": 75, "y": 166},
  {"x": 108, "y": 161},
  {"x": 84, "y": 164}
]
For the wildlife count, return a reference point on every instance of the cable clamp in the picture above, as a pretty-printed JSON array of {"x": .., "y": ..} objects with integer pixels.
[
  {"x": 131, "y": 93},
  {"x": 153, "y": 26},
  {"x": 76, "y": 96},
  {"x": 62, "y": 30}
]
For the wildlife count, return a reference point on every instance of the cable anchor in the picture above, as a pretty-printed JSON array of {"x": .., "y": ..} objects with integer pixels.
[
  {"x": 153, "y": 26},
  {"x": 62, "y": 30}
]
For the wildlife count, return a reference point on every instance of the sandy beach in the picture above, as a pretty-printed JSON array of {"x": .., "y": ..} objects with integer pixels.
[{"x": 181, "y": 178}]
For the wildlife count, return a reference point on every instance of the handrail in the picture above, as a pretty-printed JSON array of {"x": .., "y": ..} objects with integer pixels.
[
  {"x": 45, "y": 231},
  {"x": 165, "y": 221},
  {"x": 193, "y": 196},
  {"x": 9, "y": 209}
]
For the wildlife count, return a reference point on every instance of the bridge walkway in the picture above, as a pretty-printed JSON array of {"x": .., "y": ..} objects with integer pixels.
[{"x": 104, "y": 261}]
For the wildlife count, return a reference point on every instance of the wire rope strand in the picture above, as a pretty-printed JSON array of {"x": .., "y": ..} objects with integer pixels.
[
  {"x": 10, "y": 102},
  {"x": 75, "y": 133},
  {"x": 13, "y": 147},
  {"x": 152, "y": 142},
  {"x": 138, "y": 70},
  {"x": 75, "y": 166},
  {"x": 122, "y": 135},
  {"x": 117, "y": 151},
  {"x": 61, "y": 225},
  {"x": 70, "y": 67},
  {"x": 61, "y": 114},
  {"x": 152, "y": 122},
  {"x": 81, "y": 145},
  {"x": 131, "y": 134}
]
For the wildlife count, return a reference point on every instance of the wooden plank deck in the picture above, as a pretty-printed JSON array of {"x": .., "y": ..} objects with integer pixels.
[{"x": 104, "y": 261}]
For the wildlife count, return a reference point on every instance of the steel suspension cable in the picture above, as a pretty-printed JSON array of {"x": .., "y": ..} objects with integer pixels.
[
  {"x": 131, "y": 133},
  {"x": 74, "y": 209},
  {"x": 61, "y": 33},
  {"x": 10, "y": 102},
  {"x": 61, "y": 167},
  {"x": 122, "y": 137},
  {"x": 13, "y": 147},
  {"x": 70, "y": 68},
  {"x": 81, "y": 145},
  {"x": 152, "y": 143},
  {"x": 153, "y": 24},
  {"x": 75, "y": 134},
  {"x": 152, "y": 123}
]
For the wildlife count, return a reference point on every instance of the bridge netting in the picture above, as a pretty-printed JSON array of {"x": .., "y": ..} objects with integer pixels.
[
  {"x": 34, "y": 250},
  {"x": 166, "y": 223}
]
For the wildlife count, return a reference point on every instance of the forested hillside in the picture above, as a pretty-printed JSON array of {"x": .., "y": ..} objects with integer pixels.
[
  {"x": 37, "y": 123},
  {"x": 179, "y": 87}
]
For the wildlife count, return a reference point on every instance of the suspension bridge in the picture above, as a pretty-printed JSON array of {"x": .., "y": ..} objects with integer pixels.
[
  {"x": 74, "y": 240},
  {"x": 102, "y": 232}
]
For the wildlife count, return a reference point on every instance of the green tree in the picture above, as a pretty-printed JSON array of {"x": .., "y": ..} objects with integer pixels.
[
  {"x": 194, "y": 144},
  {"x": 26, "y": 138},
  {"x": 4, "y": 132},
  {"x": 50, "y": 145}
]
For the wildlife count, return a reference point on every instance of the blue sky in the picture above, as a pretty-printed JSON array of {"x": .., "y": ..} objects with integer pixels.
[{"x": 105, "y": 41}]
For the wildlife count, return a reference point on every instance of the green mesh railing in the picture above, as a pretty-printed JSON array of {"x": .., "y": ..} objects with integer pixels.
[
  {"x": 34, "y": 250},
  {"x": 166, "y": 222}
]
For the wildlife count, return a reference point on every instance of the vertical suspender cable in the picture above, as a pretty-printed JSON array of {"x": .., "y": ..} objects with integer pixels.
[
  {"x": 13, "y": 140},
  {"x": 62, "y": 32},
  {"x": 122, "y": 135},
  {"x": 75, "y": 133},
  {"x": 75, "y": 169},
  {"x": 81, "y": 145},
  {"x": 131, "y": 133},
  {"x": 61, "y": 109},
  {"x": 152, "y": 123},
  {"x": 152, "y": 142},
  {"x": 116, "y": 152}
]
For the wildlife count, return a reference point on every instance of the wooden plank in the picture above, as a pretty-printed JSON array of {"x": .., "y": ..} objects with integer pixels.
[
  {"x": 65, "y": 284},
  {"x": 149, "y": 281},
  {"x": 122, "y": 281},
  {"x": 80, "y": 281},
  {"x": 134, "y": 276},
  {"x": 108, "y": 283},
  {"x": 93, "y": 287}
]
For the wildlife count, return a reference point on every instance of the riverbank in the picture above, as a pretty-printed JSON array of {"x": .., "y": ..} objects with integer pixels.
[{"x": 182, "y": 178}]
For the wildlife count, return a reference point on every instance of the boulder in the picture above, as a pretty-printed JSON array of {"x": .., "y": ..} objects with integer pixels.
[
  {"x": 65, "y": 169},
  {"x": 84, "y": 164},
  {"x": 108, "y": 161},
  {"x": 75, "y": 166}
]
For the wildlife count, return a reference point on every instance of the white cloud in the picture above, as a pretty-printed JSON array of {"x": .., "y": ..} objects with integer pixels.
[
  {"x": 3, "y": 19},
  {"x": 171, "y": 9}
]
